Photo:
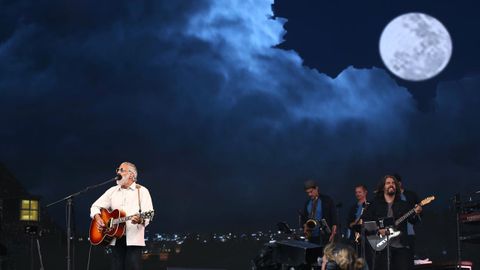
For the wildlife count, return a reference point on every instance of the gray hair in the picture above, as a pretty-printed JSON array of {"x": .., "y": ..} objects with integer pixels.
[{"x": 133, "y": 169}]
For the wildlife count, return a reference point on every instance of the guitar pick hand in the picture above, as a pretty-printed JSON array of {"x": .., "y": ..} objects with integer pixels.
[{"x": 99, "y": 222}]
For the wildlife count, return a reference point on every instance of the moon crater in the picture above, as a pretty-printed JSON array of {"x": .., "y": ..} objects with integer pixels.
[{"x": 415, "y": 46}]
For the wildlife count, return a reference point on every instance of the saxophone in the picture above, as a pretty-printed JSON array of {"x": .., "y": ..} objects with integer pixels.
[{"x": 310, "y": 225}]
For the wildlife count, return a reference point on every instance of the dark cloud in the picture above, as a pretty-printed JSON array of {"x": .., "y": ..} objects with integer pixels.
[{"x": 223, "y": 125}]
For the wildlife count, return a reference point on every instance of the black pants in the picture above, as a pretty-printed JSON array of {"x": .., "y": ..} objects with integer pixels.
[
  {"x": 411, "y": 243},
  {"x": 400, "y": 259},
  {"x": 126, "y": 257}
]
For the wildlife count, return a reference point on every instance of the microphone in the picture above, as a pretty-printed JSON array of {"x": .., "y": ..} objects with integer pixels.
[{"x": 118, "y": 177}]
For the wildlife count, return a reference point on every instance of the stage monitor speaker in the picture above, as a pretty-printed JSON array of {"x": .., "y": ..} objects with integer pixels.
[{"x": 293, "y": 252}]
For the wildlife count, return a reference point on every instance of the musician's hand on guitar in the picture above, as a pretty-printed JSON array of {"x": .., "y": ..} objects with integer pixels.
[
  {"x": 99, "y": 221},
  {"x": 418, "y": 209},
  {"x": 136, "y": 219},
  {"x": 382, "y": 232}
]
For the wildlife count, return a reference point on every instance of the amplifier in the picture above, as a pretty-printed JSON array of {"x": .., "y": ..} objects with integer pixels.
[{"x": 294, "y": 252}]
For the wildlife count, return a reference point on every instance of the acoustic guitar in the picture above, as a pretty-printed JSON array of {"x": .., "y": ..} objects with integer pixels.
[{"x": 114, "y": 225}]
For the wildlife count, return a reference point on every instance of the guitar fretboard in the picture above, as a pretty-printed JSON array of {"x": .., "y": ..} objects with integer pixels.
[
  {"x": 146, "y": 215},
  {"x": 121, "y": 220},
  {"x": 404, "y": 217},
  {"x": 412, "y": 211}
]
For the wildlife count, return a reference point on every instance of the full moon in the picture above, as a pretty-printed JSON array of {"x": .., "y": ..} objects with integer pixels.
[{"x": 415, "y": 46}]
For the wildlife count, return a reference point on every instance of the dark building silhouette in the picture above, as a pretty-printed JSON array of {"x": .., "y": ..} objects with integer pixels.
[{"x": 24, "y": 226}]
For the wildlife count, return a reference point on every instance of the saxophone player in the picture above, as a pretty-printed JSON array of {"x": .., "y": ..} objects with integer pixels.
[{"x": 319, "y": 218}]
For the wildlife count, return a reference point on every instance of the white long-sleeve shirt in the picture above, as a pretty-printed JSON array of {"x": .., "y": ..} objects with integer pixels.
[{"x": 126, "y": 199}]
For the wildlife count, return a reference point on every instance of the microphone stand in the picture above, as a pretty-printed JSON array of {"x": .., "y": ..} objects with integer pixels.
[
  {"x": 39, "y": 254},
  {"x": 457, "y": 205},
  {"x": 362, "y": 241},
  {"x": 339, "y": 225},
  {"x": 387, "y": 233},
  {"x": 69, "y": 200}
]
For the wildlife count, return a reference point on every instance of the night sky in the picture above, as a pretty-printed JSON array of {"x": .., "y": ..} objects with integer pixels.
[{"x": 226, "y": 107}]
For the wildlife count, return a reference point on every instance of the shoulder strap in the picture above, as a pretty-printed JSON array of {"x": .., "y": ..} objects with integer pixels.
[{"x": 138, "y": 191}]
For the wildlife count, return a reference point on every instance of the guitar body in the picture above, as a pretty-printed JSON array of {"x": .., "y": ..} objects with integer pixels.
[
  {"x": 379, "y": 242},
  {"x": 110, "y": 231}
]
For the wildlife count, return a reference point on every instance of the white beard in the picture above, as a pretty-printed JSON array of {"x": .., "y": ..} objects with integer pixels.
[{"x": 122, "y": 181}]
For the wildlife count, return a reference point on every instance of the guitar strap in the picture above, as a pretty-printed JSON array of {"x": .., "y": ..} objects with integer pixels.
[
  {"x": 139, "y": 205},
  {"x": 314, "y": 209}
]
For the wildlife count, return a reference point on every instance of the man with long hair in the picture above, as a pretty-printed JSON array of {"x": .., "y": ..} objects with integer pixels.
[{"x": 388, "y": 203}]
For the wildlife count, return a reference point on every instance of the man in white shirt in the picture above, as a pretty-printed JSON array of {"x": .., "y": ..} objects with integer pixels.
[{"x": 131, "y": 198}]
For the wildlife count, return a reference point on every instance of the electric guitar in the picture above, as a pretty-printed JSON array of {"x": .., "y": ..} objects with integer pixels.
[
  {"x": 379, "y": 242},
  {"x": 114, "y": 225}
]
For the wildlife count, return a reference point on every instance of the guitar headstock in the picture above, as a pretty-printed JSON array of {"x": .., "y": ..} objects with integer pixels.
[
  {"x": 148, "y": 214},
  {"x": 427, "y": 200}
]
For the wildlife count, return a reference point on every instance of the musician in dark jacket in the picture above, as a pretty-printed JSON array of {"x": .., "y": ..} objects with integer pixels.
[
  {"x": 388, "y": 203},
  {"x": 412, "y": 199},
  {"x": 318, "y": 207}
]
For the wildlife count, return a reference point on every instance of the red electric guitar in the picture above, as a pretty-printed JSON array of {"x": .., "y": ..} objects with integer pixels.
[{"x": 114, "y": 225}]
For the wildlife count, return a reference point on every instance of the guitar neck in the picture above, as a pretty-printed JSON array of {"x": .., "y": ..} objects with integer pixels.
[
  {"x": 412, "y": 211},
  {"x": 404, "y": 217},
  {"x": 122, "y": 220},
  {"x": 125, "y": 219}
]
